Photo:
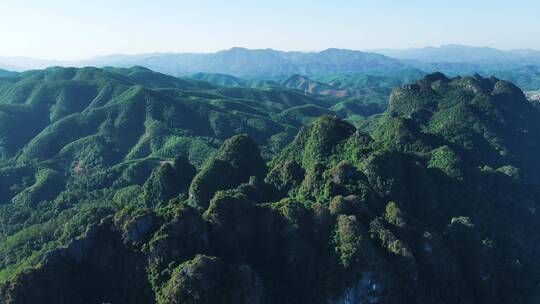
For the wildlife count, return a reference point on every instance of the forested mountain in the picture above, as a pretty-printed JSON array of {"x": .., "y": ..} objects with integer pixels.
[
  {"x": 6, "y": 73},
  {"x": 137, "y": 113},
  {"x": 354, "y": 96},
  {"x": 130, "y": 186}
]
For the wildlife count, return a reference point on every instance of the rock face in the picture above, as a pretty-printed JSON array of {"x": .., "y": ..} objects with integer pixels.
[
  {"x": 366, "y": 291},
  {"x": 433, "y": 202},
  {"x": 208, "y": 280},
  {"x": 97, "y": 268}
]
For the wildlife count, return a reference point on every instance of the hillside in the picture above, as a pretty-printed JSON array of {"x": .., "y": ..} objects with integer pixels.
[
  {"x": 231, "y": 81},
  {"x": 354, "y": 96},
  {"x": 5, "y": 73},
  {"x": 127, "y": 113},
  {"x": 130, "y": 186},
  {"x": 136, "y": 113}
]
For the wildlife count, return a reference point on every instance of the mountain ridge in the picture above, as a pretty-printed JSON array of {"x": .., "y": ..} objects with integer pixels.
[
  {"x": 457, "y": 53},
  {"x": 269, "y": 64},
  {"x": 433, "y": 201}
]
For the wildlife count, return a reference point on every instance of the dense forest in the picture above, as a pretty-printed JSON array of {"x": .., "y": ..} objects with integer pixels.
[{"x": 124, "y": 185}]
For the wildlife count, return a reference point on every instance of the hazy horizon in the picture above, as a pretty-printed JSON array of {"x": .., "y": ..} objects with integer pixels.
[
  {"x": 61, "y": 30},
  {"x": 269, "y": 48}
]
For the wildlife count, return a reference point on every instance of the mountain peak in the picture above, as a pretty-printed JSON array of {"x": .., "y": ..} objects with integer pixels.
[{"x": 237, "y": 49}]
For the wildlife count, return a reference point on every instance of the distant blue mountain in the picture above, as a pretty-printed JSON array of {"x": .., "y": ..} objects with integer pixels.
[
  {"x": 455, "y": 53},
  {"x": 269, "y": 64},
  {"x": 243, "y": 62}
]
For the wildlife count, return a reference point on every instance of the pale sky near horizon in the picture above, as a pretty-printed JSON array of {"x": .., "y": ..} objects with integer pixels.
[{"x": 65, "y": 30}]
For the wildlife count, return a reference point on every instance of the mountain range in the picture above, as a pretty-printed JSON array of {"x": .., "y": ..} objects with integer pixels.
[
  {"x": 518, "y": 66},
  {"x": 125, "y": 185},
  {"x": 238, "y": 62},
  {"x": 456, "y": 53}
]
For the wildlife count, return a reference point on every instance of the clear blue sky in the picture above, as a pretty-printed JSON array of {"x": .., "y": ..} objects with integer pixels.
[{"x": 64, "y": 29}]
